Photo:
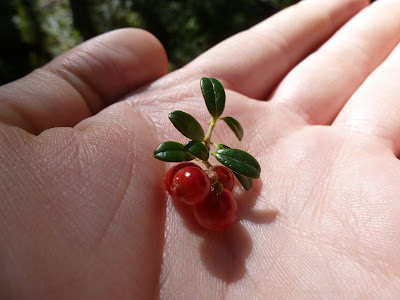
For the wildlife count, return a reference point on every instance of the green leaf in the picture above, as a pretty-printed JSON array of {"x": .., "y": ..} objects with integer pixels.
[
  {"x": 173, "y": 152},
  {"x": 197, "y": 149},
  {"x": 187, "y": 125},
  {"x": 214, "y": 96},
  {"x": 222, "y": 146},
  {"x": 235, "y": 126},
  {"x": 246, "y": 182},
  {"x": 239, "y": 161}
]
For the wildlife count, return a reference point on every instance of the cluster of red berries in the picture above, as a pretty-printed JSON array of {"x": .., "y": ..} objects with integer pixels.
[
  {"x": 208, "y": 192},
  {"x": 214, "y": 206}
]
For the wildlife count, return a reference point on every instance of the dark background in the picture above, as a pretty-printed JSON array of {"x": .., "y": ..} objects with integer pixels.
[{"x": 34, "y": 31}]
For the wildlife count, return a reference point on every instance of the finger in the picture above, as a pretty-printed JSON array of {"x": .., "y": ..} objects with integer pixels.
[
  {"x": 82, "y": 81},
  {"x": 254, "y": 61},
  {"x": 319, "y": 87},
  {"x": 374, "y": 110}
]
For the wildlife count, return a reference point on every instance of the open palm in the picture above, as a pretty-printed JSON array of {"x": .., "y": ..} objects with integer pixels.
[{"x": 84, "y": 213}]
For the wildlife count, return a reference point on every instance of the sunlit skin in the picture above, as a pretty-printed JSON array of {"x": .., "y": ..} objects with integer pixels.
[
  {"x": 190, "y": 185},
  {"x": 84, "y": 213}
]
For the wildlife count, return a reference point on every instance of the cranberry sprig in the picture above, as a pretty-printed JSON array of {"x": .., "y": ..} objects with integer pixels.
[{"x": 208, "y": 190}]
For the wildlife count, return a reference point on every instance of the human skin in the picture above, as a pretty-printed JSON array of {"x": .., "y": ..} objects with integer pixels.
[{"x": 84, "y": 213}]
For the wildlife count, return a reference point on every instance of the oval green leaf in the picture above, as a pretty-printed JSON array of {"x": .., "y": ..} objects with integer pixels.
[
  {"x": 197, "y": 149},
  {"x": 214, "y": 96},
  {"x": 172, "y": 152},
  {"x": 187, "y": 125},
  {"x": 246, "y": 182},
  {"x": 222, "y": 146},
  {"x": 239, "y": 161},
  {"x": 235, "y": 126}
]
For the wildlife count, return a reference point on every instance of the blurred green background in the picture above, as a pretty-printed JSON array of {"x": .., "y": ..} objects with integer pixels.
[{"x": 34, "y": 31}]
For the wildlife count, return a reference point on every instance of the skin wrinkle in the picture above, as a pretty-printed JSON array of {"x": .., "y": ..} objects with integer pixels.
[
  {"x": 302, "y": 284},
  {"x": 51, "y": 233},
  {"x": 297, "y": 108},
  {"x": 18, "y": 153},
  {"x": 120, "y": 51},
  {"x": 133, "y": 57},
  {"x": 24, "y": 116},
  {"x": 70, "y": 150},
  {"x": 274, "y": 265},
  {"x": 102, "y": 238},
  {"x": 71, "y": 228},
  {"x": 359, "y": 126},
  {"x": 319, "y": 21},
  {"x": 94, "y": 63},
  {"x": 173, "y": 294},
  {"x": 68, "y": 75},
  {"x": 282, "y": 45},
  {"x": 160, "y": 129},
  {"x": 276, "y": 43},
  {"x": 165, "y": 273},
  {"x": 183, "y": 284},
  {"x": 17, "y": 263},
  {"x": 308, "y": 202},
  {"x": 156, "y": 283},
  {"x": 118, "y": 199},
  {"x": 16, "y": 267},
  {"x": 175, "y": 79},
  {"x": 346, "y": 223},
  {"x": 355, "y": 256},
  {"x": 171, "y": 240},
  {"x": 332, "y": 273},
  {"x": 364, "y": 58},
  {"x": 328, "y": 181},
  {"x": 169, "y": 97},
  {"x": 356, "y": 127},
  {"x": 81, "y": 273},
  {"x": 326, "y": 173},
  {"x": 341, "y": 60},
  {"x": 254, "y": 287}
]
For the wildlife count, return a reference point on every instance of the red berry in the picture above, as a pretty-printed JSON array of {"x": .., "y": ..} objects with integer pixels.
[
  {"x": 171, "y": 174},
  {"x": 225, "y": 177},
  {"x": 191, "y": 185},
  {"x": 217, "y": 212}
]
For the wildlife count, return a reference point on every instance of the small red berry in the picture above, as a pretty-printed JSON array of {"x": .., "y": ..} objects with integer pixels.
[
  {"x": 172, "y": 171},
  {"x": 225, "y": 177},
  {"x": 217, "y": 212},
  {"x": 191, "y": 185}
]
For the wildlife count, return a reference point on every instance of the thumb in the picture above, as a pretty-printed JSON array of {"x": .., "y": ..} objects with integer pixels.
[{"x": 82, "y": 81}]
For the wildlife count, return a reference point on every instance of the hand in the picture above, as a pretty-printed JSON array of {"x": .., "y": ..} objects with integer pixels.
[{"x": 84, "y": 213}]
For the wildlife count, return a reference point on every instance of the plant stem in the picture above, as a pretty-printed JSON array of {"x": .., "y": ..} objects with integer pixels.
[
  {"x": 211, "y": 173},
  {"x": 207, "y": 164},
  {"x": 207, "y": 143},
  {"x": 209, "y": 133}
]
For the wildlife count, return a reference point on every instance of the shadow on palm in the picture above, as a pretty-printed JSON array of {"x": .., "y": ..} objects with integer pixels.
[{"x": 224, "y": 253}]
